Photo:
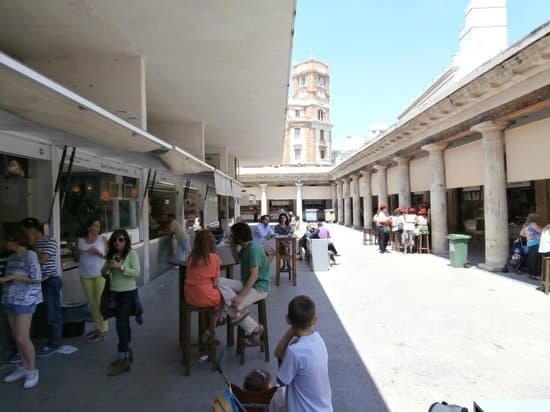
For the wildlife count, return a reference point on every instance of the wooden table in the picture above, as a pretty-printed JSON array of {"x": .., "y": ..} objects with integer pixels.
[
  {"x": 290, "y": 244},
  {"x": 226, "y": 265}
]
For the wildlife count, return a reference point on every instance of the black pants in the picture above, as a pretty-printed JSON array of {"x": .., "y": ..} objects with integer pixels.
[
  {"x": 533, "y": 261},
  {"x": 124, "y": 307},
  {"x": 383, "y": 238},
  {"x": 332, "y": 248}
]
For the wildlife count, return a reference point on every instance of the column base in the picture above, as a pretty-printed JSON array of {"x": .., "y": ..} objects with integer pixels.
[{"x": 490, "y": 267}]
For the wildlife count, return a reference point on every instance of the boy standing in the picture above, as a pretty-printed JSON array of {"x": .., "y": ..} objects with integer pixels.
[
  {"x": 46, "y": 249},
  {"x": 304, "y": 368}
]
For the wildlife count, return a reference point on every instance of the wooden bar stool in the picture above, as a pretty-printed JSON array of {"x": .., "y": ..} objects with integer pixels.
[
  {"x": 423, "y": 242},
  {"x": 264, "y": 340},
  {"x": 290, "y": 247},
  {"x": 210, "y": 315},
  {"x": 545, "y": 275}
]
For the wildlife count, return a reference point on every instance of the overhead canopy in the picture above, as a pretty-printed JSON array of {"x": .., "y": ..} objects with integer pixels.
[
  {"x": 226, "y": 186},
  {"x": 223, "y": 63},
  {"x": 32, "y": 96},
  {"x": 181, "y": 163}
]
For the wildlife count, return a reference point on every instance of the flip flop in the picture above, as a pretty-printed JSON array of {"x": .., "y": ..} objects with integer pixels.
[
  {"x": 239, "y": 316},
  {"x": 255, "y": 338}
]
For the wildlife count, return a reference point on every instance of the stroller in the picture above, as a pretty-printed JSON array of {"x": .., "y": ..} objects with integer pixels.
[
  {"x": 236, "y": 399},
  {"x": 518, "y": 254}
]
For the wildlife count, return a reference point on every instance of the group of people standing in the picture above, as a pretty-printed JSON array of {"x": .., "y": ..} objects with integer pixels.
[
  {"x": 32, "y": 281},
  {"x": 406, "y": 223}
]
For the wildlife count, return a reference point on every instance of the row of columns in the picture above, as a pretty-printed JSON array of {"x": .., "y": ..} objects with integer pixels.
[
  {"x": 263, "y": 205},
  {"x": 495, "y": 203}
]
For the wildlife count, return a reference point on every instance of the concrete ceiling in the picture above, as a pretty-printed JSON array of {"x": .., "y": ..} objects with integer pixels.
[{"x": 225, "y": 63}]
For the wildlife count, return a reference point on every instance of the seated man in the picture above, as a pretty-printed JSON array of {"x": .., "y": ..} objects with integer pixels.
[
  {"x": 323, "y": 233},
  {"x": 254, "y": 284},
  {"x": 262, "y": 234},
  {"x": 308, "y": 234}
]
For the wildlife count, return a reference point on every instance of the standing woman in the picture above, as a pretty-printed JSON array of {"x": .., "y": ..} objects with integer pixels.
[
  {"x": 284, "y": 228},
  {"x": 21, "y": 293},
  {"x": 531, "y": 231},
  {"x": 92, "y": 250},
  {"x": 122, "y": 267}
]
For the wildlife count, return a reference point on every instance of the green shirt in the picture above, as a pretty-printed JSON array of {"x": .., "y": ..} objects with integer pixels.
[
  {"x": 251, "y": 256},
  {"x": 126, "y": 281}
]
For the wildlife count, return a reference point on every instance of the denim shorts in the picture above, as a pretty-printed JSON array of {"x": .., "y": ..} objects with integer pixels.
[{"x": 11, "y": 309}]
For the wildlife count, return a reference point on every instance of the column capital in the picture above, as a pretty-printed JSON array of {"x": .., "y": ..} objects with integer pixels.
[
  {"x": 263, "y": 186},
  {"x": 489, "y": 126},
  {"x": 334, "y": 183},
  {"x": 402, "y": 160},
  {"x": 365, "y": 172},
  {"x": 355, "y": 176},
  {"x": 434, "y": 147},
  {"x": 380, "y": 168},
  {"x": 299, "y": 184}
]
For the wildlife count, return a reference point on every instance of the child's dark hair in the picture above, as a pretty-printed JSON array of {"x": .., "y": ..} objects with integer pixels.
[
  {"x": 257, "y": 380},
  {"x": 301, "y": 312}
]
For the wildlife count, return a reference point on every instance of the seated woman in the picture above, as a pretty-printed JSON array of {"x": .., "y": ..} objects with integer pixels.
[
  {"x": 284, "y": 228},
  {"x": 532, "y": 231},
  {"x": 203, "y": 272}
]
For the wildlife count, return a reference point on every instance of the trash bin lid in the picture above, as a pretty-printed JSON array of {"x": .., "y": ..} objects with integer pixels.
[{"x": 457, "y": 236}]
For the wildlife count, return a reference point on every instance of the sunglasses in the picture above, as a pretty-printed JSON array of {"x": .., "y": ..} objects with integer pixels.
[{"x": 120, "y": 240}]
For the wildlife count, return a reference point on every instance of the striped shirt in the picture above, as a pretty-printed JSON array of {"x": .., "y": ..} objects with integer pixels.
[{"x": 47, "y": 246}]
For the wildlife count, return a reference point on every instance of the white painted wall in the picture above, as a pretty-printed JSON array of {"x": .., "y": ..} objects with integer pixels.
[
  {"x": 316, "y": 192},
  {"x": 393, "y": 181},
  {"x": 420, "y": 175}
]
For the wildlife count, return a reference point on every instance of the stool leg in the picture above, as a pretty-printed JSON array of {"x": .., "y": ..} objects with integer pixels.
[
  {"x": 187, "y": 344},
  {"x": 262, "y": 316},
  {"x": 230, "y": 334},
  {"x": 212, "y": 343},
  {"x": 240, "y": 344}
]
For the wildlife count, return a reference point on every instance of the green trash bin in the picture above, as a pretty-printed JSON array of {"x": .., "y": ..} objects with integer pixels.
[{"x": 458, "y": 249}]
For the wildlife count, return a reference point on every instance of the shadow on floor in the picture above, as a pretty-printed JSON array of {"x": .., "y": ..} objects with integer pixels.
[{"x": 156, "y": 383}]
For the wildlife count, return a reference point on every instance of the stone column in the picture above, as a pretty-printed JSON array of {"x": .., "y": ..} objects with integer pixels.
[
  {"x": 367, "y": 199},
  {"x": 334, "y": 195},
  {"x": 495, "y": 205},
  {"x": 340, "y": 194},
  {"x": 438, "y": 198},
  {"x": 347, "y": 202},
  {"x": 299, "y": 211},
  {"x": 356, "y": 201},
  {"x": 383, "y": 185},
  {"x": 263, "y": 204},
  {"x": 404, "y": 181}
]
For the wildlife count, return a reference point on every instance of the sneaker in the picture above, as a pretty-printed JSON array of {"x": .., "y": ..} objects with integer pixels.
[
  {"x": 91, "y": 334},
  {"x": 31, "y": 379},
  {"x": 98, "y": 337},
  {"x": 15, "y": 359},
  {"x": 18, "y": 373},
  {"x": 46, "y": 351},
  {"x": 119, "y": 367}
]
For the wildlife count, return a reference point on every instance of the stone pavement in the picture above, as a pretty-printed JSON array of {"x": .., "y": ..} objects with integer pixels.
[{"x": 402, "y": 331}]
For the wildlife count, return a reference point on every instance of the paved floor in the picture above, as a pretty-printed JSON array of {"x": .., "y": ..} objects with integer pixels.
[{"x": 402, "y": 331}]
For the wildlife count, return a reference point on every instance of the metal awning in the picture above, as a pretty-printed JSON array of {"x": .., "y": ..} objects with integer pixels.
[{"x": 225, "y": 185}]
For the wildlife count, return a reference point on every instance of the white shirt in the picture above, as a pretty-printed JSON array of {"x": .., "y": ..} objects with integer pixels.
[
  {"x": 410, "y": 222},
  {"x": 305, "y": 373},
  {"x": 544, "y": 243},
  {"x": 90, "y": 264}
]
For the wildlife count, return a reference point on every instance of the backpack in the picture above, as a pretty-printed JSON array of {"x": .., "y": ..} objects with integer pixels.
[{"x": 445, "y": 407}]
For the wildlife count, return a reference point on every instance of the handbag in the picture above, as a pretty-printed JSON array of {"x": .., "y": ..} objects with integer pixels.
[
  {"x": 106, "y": 312},
  {"x": 386, "y": 229}
]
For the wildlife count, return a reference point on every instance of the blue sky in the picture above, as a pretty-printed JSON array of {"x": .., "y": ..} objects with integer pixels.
[{"x": 382, "y": 55}]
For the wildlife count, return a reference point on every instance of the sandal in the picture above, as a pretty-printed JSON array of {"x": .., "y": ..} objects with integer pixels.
[
  {"x": 239, "y": 316},
  {"x": 221, "y": 321},
  {"x": 255, "y": 338}
]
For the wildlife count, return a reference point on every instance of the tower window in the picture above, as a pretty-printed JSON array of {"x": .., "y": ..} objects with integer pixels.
[
  {"x": 320, "y": 80},
  {"x": 296, "y": 113},
  {"x": 322, "y": 135},
  {"x": 297, "y": 155},
  {"x": 322, "y": 155},
  {"x": 320, "y": 114},
  {"x": 301, "y": 81},
  {"x": 297, "y": 132}
]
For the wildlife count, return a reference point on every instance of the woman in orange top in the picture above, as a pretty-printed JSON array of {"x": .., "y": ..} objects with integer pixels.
[{"x": 203, "y": 272}]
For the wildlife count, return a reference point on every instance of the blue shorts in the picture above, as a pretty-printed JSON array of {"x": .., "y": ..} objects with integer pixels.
[{"x": 11, "y": 309}]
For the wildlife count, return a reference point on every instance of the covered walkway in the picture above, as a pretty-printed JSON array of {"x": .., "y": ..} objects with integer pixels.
[{"x": 402, "y": 331}]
